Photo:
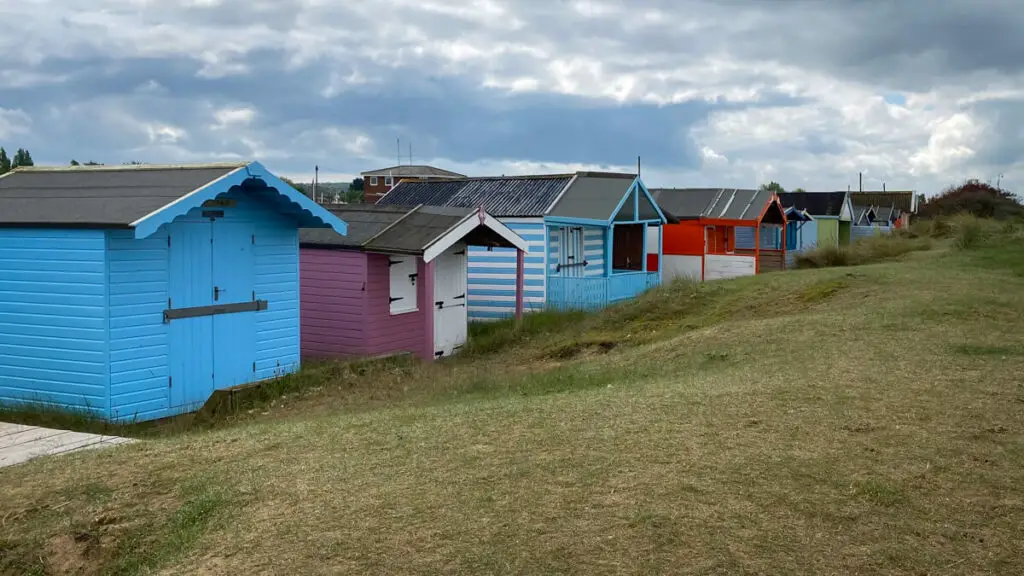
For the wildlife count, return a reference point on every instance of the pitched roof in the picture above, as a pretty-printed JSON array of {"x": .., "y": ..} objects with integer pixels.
[
  {"x": 885, "y": 213},
  {"x": 901, "y": 199},
  {"x": 400, "y": 229},
  {"x": 98, "y": 196},
  {"x": 716, "y": 203},
  {"x": 413, "y": 170},
  {"x": 142, "y": 197},
  {"x": 506, "y": 196},
  {"x": 860, "y": 213},
  {"x": 815, "y": 203},
  {"x": 596, "y": 195}
]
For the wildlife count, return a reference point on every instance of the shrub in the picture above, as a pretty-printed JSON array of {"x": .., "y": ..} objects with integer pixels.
[
  {"x": 863, "y": 251},
  {"x": 974, "y": 198}
]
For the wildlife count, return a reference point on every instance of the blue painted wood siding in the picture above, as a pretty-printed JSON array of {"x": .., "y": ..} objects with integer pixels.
[
  {"x": 857, "y": 232},
  {"x": 593, "y": 250},
  {"x": 81, "y": 314},
  {"x": 53, "y": 318},
  {"x": 492, "y": 274},
  {"x": 771, "y": 237},
  {"x": 139, "y": 343}
]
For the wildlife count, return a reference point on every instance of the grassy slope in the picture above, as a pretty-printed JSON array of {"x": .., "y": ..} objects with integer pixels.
[{"x": 862, "y": 419}]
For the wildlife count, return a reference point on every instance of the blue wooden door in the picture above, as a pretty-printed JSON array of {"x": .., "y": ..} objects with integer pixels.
[
  {"x": 233, "y": 283},
  {"x": 191, "y": 345}
]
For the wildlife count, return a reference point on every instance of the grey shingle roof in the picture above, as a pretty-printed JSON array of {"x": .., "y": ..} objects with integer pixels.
[
  {"x": 97, "y": 196},
  {"x": 721, "y": 203},
  {"x": 395, "y": 229},
  {"x": 816, "y": 203},
  {"x": 413, "y": 170},
  {"x": 515, "y": 196},
  {"x": 595, "y": 196}
]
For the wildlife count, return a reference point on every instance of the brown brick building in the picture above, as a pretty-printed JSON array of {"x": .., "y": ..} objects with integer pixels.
[{"x": 377, "y": 183}]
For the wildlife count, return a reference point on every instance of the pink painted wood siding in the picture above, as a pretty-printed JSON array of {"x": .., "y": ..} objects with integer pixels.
[
  {"x": 385, "y": 333},
  {"x": 345, "y": 308},
  {"x": 333, "y": 302}
]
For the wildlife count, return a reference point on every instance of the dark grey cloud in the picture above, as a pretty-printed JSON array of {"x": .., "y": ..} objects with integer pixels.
[{"x": 539, "y": 81}]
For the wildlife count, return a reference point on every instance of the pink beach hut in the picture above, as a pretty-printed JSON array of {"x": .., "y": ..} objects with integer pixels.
[{"x": 396, "y": 282}]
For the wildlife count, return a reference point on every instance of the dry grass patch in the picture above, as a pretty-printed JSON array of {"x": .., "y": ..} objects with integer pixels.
[{"x": 810, "y": 422}]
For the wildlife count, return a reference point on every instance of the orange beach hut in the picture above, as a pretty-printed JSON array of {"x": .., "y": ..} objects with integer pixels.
[{"x": 703, "y": 244}]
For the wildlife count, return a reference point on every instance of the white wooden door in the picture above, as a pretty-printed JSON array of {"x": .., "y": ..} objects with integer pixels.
[
  {"x": 450, "y": 313},
  {"x": 570, "y": 254}
]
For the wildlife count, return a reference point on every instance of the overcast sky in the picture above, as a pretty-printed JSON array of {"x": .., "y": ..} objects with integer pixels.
[{"x": 729, "y": 92}]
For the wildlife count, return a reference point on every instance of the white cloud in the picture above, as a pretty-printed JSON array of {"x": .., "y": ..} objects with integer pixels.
[
  {"x": 13, "y": 122},
  {"x": 611, "y": 52},
  {"x": 233, "y": 117}
]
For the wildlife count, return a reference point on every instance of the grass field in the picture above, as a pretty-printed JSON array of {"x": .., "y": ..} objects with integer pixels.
[{"x": 863, "y": 419}]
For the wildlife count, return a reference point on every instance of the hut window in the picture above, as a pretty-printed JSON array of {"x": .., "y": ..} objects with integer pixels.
[
  {"x": 388, "y": 181},
  {"x": 402, "y": 280},
  {"x": 373, "y": 180}
]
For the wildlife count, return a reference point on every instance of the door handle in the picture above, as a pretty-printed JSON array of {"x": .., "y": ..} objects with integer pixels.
[{"x": 216, "y": 293}]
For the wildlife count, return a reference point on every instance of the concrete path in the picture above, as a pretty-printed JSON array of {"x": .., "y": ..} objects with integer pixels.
[{"x": 19, "y": 443}]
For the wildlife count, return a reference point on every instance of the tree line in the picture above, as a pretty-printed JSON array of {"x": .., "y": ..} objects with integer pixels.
[{"x": 21, "y": 158}]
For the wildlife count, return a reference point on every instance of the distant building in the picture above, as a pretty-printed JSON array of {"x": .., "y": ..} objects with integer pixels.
[
  {"x": 903, "y": 202},
  {"x": 377, "y": 183}
]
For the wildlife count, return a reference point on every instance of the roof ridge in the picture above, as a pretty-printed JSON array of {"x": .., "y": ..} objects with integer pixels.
[{"x": 130, "y": 167}]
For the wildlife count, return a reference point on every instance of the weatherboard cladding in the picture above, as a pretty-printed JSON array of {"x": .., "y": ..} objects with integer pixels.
[
  {"x": 501, "y": 197},
  {"x": 594, "y": 197},
  {"x": 492, "y": 273},
  {"x": 81, "y": 310},
  {"x": 96, "y": 197}
]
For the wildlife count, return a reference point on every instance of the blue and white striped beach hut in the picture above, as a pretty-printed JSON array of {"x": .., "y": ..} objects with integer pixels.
[{"x": 590, "y": 235}]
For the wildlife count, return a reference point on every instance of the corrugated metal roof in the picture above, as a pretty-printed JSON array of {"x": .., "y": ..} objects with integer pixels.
[
  {"x": 104, "y": 196},
  {"x": 518, "y": 196},
  {"x": 685, "y": 203},
  {"x": 413, "y": 170},
  {"x": 901, "y": 199},
  {"x": 718, "y": 203},
  {"x": 594, "y": 196}
]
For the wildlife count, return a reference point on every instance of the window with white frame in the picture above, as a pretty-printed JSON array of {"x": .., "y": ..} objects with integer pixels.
[
  {"x": 388, "y": 181},
  {"x": 373, "y": 180},
  {"x": 402, "y": 284}
]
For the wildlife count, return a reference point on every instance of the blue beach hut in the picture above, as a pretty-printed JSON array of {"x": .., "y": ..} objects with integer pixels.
[{"x": 134, "y": 292}]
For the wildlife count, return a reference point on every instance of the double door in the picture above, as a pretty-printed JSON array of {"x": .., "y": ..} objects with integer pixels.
[{"x": 211, "y": 309}]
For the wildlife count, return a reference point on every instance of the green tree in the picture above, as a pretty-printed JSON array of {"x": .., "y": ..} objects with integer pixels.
[
  {"x": 799, "y": 190},
  {"x": 75, "y": 162},
  {"x": 22, "y": 158},
  {"x": 357, "y": 184},
  {"x": 5, "y": 162},
  {"x": 773, "y": 186},
  {"x": 91, "y": 163}
]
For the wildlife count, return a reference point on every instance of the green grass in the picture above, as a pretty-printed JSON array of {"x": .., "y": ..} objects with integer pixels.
[{"x": 838, "y": 420}]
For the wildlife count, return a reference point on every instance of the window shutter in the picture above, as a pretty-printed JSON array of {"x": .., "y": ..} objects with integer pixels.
[{"x": 402, "y": 284}]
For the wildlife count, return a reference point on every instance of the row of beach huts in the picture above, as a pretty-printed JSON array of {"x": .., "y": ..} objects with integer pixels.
[{"x": 135, "y": 292}]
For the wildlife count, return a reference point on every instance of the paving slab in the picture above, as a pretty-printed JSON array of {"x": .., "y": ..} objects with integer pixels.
[{"x": 20, "y": 443}]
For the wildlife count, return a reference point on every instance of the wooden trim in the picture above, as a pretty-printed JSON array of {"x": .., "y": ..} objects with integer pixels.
[{"x": 198, "y": 311}]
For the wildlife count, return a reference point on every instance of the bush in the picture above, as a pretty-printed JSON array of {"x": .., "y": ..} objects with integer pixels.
[
  {"x": 863, "y": 251},
  {"x": 974, "y": 198}
]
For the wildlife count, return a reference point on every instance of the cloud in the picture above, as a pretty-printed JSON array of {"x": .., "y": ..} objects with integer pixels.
[{"x": 917, "y": 95}]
